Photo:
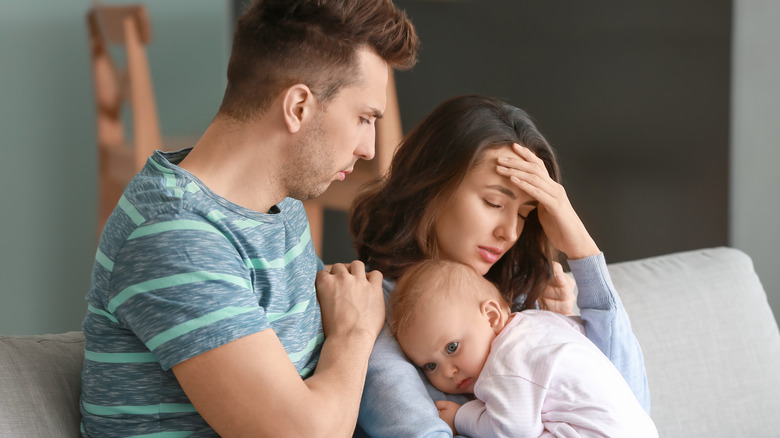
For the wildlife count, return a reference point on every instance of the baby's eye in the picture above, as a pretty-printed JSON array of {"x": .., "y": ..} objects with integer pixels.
[
  {"x": 429, "y": 367},
  {"x": 452, "y": 347}
]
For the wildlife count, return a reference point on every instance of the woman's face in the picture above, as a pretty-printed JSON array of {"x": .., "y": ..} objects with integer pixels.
[{"x": 485, "y": 215}]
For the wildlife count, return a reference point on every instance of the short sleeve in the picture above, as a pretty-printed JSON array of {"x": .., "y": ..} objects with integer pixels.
[{"x": 181, "y": 286}]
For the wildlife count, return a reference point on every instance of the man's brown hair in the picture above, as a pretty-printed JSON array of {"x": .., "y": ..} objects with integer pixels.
[{"x": 279, "y": 43}]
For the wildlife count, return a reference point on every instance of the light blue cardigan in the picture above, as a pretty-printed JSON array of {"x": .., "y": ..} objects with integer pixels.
[{"x": 398, "y": 400}]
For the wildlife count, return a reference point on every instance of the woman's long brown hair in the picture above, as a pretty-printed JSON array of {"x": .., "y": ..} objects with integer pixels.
[{"x": 392, "y": 219}]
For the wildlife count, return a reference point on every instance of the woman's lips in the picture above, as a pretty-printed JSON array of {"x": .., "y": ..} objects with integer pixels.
[{"x": 490, "y": 255}]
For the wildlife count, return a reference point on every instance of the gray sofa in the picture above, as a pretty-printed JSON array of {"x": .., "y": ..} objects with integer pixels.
[{"x": 711, "y": 345}]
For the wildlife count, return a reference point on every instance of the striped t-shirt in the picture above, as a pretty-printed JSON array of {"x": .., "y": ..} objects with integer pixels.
[{"x": 179, "y": 271}]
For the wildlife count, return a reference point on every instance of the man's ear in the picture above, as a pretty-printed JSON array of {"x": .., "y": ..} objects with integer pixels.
[
  {"x": 297, "y": 104},
  {"x": 491, "y": 309}
]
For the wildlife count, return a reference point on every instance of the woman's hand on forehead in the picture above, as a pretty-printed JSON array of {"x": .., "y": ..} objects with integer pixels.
[{"x": 560, "y": 222}]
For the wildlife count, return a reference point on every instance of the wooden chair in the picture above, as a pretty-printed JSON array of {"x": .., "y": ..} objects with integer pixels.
[
  {"x": 340, "y": 193},
  {"x": 119, "y": 160}
]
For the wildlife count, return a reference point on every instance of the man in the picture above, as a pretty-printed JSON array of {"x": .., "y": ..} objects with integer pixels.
[{"x": 203, "y": 317}]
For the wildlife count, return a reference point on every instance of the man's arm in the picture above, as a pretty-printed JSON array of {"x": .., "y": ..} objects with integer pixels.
[{"x": 249, "y": 387}]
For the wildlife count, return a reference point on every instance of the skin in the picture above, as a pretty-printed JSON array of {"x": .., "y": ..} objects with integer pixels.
[
  {"x": 450, "y": 340},
  {"x": 486, "y": 213},
  {"x": 560, "y": 222},
  {"x": 485, "y": 217},
  {"x": 229, "y": 385}
]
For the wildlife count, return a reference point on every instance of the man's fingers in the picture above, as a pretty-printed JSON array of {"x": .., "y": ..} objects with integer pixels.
[
  {"x": 357, "y": 268},
  {"x": 374, "y": 276},
  {"x": 338, "y": 267}
]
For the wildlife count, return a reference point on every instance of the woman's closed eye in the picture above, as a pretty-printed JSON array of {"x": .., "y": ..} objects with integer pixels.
[{"x": 492, "y": 204}]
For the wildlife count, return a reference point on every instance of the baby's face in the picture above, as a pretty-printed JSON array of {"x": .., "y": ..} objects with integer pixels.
[{"x": 450, "y": 343}]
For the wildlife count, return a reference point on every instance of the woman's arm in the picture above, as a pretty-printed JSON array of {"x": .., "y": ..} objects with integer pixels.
[
  {"x": 606, "y": 321},
  {"x": 397, "y": 400},
  {"x": 607, "y": 324}
]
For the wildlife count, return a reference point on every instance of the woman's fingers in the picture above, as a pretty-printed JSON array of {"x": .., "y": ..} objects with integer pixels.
[
  {"x": 540, "y": 187},
  {"x": 560, "y": 222}
]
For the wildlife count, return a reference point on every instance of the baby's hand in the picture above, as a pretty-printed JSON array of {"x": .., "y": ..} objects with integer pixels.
[{"x": 447, "y": 411}]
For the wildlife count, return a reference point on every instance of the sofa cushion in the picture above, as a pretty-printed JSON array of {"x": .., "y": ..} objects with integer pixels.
[
  {"x": 710, "y": 342},
  {"x": 40, "y": 384}
]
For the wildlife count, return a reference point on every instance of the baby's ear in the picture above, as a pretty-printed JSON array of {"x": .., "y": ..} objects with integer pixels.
[{"x": 491, "y": 309}]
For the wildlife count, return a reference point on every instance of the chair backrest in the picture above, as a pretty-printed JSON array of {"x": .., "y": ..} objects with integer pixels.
[{"x": 118, "y": 82}]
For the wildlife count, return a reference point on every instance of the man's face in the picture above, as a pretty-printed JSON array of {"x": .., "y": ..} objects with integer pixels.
[{"x": 334, "y": 139}]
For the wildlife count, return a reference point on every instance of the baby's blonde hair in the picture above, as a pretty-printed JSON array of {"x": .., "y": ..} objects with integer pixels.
[{"x": 434, "y": 279}]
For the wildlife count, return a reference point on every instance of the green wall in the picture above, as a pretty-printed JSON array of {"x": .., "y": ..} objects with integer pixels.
[
  {"x": 48, "y": 150},
  {"x": 48, "y": 158}
]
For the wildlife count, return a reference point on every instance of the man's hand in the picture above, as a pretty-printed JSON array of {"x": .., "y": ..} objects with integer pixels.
[
  {"x": 350, "y": 299},
  {"x": 447, "y": 410},
  {"x": 558, "y": 295},
  {"x": 228, "y": 385}
]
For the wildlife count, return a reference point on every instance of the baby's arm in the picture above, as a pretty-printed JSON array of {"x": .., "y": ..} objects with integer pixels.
[
  {"x": 508, "y": 407},
  {"x": 607, "y": 324}
]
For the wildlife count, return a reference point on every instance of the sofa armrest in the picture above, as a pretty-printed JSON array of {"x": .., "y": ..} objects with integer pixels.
[
  {"x": 710, "y": 342},
  {"x": 40, "y": 385}
]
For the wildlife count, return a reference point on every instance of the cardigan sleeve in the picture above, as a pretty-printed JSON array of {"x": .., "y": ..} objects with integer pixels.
[{"x": 607, "y": 324}]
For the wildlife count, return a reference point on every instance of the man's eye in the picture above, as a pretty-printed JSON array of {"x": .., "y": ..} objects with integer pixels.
[
  {"x": 452, "y": 347},
  {"x": 429, "y": 366},
  {"x": 365, "y": 121}
]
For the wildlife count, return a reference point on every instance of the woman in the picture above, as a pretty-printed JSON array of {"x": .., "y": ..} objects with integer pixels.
[{"x": 475, "y": 182}]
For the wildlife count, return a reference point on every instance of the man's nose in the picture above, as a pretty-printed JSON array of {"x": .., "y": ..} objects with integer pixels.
[{"x": 367, "y": 147}]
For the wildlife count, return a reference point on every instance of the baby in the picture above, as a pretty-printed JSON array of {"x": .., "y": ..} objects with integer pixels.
[{"x": 533, "y": 373}]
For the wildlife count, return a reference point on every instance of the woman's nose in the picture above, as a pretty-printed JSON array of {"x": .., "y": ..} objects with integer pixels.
[{"x": 508, "y": 228}]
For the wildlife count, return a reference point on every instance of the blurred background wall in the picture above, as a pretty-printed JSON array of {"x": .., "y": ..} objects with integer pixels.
[
  {"x": 48, "y": 149},
  {"x": 665, "y": 115}
]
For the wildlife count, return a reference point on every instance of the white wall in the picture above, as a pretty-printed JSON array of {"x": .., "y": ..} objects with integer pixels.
[{"x": 755, "y": 140}]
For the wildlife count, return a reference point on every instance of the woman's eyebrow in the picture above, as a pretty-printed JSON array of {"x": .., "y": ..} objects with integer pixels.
[{"x": 503, "y": 189}]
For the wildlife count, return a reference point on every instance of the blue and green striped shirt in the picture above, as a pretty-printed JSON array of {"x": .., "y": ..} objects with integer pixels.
[{"x": 179, "y": 271}]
